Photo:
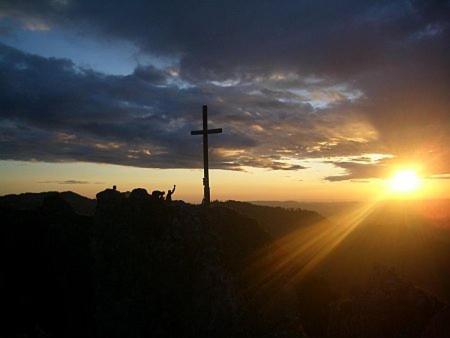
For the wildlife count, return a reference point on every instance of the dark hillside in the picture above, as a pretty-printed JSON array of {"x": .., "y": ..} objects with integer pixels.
[
  {"x": 46, "y": 271},
  {"x": 138, "y": 267},
  {"x": 33, "y": 201},
  {"x": 144, "y": 267},
  {"x": 277, "y": 221},
  {"x": 182, "y": 262},
  {"x": 400, "y": 236}
]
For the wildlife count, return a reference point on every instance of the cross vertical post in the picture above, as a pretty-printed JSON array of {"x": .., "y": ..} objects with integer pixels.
[
  {"x": 206, "y": 190},
  {"x": 204, "y": 132}
]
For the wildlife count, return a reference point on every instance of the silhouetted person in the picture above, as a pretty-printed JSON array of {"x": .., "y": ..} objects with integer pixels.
[
  {"x": 158, "y": 195},
  {"x": 114, "y": 187},
  {"x": 170, "y": 193}
]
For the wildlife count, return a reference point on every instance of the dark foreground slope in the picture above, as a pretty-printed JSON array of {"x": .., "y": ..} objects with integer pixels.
[
  {"x": 138, "y": 268},
  {"x": 170, "y": 269},
  {"x": 387, "y": 277},
  {"x": 46, "y": 285},
  {"x": 399, "y": 235},
  {"x": 141, "y": 267}
]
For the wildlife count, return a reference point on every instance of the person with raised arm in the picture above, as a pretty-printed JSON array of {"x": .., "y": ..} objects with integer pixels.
[{"x": 170, "y": 193}]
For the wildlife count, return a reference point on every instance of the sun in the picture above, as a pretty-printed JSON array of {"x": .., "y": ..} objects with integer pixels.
[{"x": 405, "y": 181}]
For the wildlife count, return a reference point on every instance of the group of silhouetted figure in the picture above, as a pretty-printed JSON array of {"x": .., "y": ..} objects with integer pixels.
[{"x": 159, "y": 195}]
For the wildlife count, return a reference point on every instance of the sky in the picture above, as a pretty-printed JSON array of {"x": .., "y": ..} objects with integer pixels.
[{"x": 318, "y": 100}]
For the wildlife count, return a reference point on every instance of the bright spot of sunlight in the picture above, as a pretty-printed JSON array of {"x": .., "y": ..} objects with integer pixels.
[{"x": 404, "y": 181}]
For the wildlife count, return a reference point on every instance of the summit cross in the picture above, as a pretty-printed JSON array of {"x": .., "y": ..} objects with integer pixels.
[{"x": 205, "y": 131}]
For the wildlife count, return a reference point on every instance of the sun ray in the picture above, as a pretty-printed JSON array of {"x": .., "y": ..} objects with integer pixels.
[{"x": 291, "y": 258}]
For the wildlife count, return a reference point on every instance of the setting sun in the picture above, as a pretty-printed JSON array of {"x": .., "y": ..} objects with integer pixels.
[{"x": 405, "y": 181}]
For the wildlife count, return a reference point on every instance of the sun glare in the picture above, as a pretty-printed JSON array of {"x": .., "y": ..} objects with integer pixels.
[{"x": 405, "y": 181}]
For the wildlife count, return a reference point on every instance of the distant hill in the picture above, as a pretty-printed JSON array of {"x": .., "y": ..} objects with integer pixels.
[
  {"x": 32, "y": 201},
  {"x": 439, "y": 208},
  {"x": 324, "y": 208},
  {"x": 277, "y": 221}
]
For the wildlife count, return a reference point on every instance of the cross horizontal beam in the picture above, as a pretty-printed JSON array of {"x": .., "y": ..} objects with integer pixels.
[{"x": 209, "y": 131}]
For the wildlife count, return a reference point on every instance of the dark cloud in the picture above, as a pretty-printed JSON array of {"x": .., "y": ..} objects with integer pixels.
[
  {"x": 150, "y": 74},
  {"x": 55, "y": 111},
  {"x": 287, "y": 81},
  {"x": 217, "y": 38}
]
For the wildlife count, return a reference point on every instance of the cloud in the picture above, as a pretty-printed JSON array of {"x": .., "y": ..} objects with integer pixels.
[
  {"x": 216, "y": 39},
  {"x": 358, "y": 171},
  {"x": 429, "y": 165},
  {"x": 53, "y": 110},
  {"x": 439, "y": 177},
  {"x": 286, "y": 82}
]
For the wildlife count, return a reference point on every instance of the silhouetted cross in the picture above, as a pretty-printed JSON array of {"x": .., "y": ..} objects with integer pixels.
[{"x": 205, "y": 131}]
